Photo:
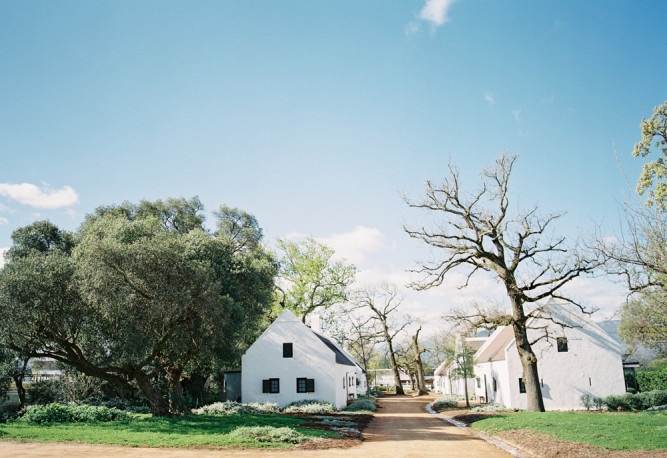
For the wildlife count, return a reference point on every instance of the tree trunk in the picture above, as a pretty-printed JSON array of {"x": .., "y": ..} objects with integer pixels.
[
  {"x": 20, "y": 389},
  {"x": 421, "y": 382},
  {"x": 465, "y": 383},
  {"x": 176, "y": 402},
  {"x": 531, "y": 379},
  {"x": 394, "y": 367},
  {"x": 159, "y": 407}
]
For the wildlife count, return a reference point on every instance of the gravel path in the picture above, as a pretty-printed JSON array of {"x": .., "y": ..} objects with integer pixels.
[{"x": 401, "y": 428}]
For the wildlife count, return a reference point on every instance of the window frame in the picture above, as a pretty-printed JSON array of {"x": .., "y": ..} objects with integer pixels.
[
  {"x": 268, "y": 386},
  {"x": 308, "y": 385}
]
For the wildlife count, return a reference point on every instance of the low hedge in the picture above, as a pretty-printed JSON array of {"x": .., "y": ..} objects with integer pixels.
[
  {"x": 66, "y": 413},
  {"x": 637, "y": 401},
  {"x": 650, "y": 379},
  {"x": 362, "y": 404}
]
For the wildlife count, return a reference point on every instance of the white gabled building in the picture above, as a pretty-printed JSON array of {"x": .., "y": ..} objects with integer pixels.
[
  {"x": 574, "y": 361},
  {"x": 444, "y": 382},
  {"x": 291, "y": 362}
]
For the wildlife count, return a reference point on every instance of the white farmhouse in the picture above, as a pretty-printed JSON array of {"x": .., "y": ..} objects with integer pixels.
[
  {"x": 444, "y": 382},
  {"x": 291, "y": 362},
  {"x": 574, "y": 361}
]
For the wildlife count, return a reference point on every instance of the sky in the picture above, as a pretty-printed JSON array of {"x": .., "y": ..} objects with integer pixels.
[{"x": 317, "y": 116}]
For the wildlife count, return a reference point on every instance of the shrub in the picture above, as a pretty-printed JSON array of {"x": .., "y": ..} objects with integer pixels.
[
  {"x": 651, "y": 379},
  {"x": 598, "y": 403},
  {"x": 657, "y": 409},
  {"x": 362, "y": 404},
  {"x": 444, "y": 402},
  {"x": 586, "y": 401},
  {"x": 308, "y": 406},
  {"x": 638, "y": 401},
  {"x": 129, "y": 405},
  {"x": 338, "y": 422},
  {"x": 492, "y": 407},
  {"x": 43, "y": 392},
  {"x": 65, "y": 413},
  {"x": 236, "y": 408},
  {"x": 267, "y": 434}
]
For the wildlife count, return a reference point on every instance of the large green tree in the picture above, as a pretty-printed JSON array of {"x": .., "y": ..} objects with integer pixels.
[
  {"x": 146, "y": 292},
  {"x": 310, "y": 278},
  {"x": 653, "y": 180},
  {"x": 477, "y": 232}
]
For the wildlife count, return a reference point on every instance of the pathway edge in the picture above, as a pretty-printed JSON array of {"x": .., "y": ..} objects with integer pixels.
[{"x": 459, "y": 424}]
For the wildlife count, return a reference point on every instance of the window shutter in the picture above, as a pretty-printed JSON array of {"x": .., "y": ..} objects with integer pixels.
[
  {"x": 266, "y": 386},
  {"x": 310, "y": 385}
]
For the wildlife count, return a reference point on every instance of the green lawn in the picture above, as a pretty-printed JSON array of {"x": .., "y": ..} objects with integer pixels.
[
  {"x": 617, "y": 431},
  {"x": 158, "y": 432}
]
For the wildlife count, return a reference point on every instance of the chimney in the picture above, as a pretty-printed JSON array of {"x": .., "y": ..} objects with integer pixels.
[{"x": 315, "y": 323}]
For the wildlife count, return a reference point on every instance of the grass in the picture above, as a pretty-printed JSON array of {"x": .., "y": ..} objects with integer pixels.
[
  {"x": 615, "y": 431},
  {"x": 144, "y": 430}
]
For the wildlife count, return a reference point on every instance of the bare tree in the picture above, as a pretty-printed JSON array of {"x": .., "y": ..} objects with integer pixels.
[
  {"x": 361, "y": 336},
  {"x": 383, "y": 303},
  {"x": 476, "y": 233},
  {"x": 417, "y": 351}
]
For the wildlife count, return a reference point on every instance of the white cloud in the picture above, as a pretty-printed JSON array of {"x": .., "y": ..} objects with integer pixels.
[
  {"x": 3, "y": 221},
  {"x": 488, "y": 96},
  {"x": 517, "y": 114},
  {"x": 357, "y": 244},
  {"x": 2, "y": 256},
  {"x": 29, "y": 194},
  {"x": 434, "y": 13}
]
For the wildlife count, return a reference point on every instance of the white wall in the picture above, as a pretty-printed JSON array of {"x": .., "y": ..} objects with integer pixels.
[
  {"x": 312, "y": 359},
  {"x": 592, "y": 365}
]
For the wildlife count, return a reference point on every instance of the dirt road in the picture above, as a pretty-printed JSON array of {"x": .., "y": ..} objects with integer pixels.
[{"x": 401, "y": 428}]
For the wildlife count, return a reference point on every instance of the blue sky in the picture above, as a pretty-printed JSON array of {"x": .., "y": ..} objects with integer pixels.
[{"x": 316, "y": 116}]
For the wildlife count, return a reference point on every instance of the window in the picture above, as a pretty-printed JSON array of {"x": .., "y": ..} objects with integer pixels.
[
  {"x": 495, "y": 387},
  {"x": 271, "y": 385},
  {"x": 288, "y": 351},
  {"x": 522, "y": 386},
  {"x": 478, "y": 383},
  {"x": 561, "y": 343},
  {"x": 305, "y": 385}
]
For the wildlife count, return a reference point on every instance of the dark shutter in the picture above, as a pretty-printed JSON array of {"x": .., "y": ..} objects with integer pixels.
[
  {"x": 266, "y": 386},
  {"x": 310, "y": 385},
  {"x": 287, "y": 350}
]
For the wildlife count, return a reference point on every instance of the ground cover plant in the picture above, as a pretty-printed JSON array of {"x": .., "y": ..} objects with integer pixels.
[
  {"x": 308, "y": 406},
  {"x": 616, "y": 431},
  {"x": 237, "y": 408},
  {"x": 71, "y": 413},
  {"x": 365, "y": 405},
  {"x": 194, "y": 430}
]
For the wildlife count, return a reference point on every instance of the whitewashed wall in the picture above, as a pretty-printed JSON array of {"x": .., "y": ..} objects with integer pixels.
[{"x": 311, "y": 359}]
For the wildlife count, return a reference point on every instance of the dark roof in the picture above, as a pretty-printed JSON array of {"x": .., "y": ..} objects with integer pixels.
[{"x": 340, "y": 356}]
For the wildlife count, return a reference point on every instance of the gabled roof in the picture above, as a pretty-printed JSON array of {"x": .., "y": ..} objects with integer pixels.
[
  {"x": 494, "y": 348},
  {"x": 340, "y": 356}
]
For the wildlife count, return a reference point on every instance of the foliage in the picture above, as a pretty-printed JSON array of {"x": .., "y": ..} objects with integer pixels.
[
  {"x": 308, "y": 406},
  {"x": 636, "y": 401},
  {"x": 337, "y": 422},
  {"x": 179, "y": 431},
  {"x": 477, "y": 232},
  {"x": 650, "y": 379},
  {"x": 266, "y": 434},
  {"x": 644, "y": 320},
  {"x": 44, "y": 392},
  {"x": 491, "y": 407},
  {"x": 652, "y": 180},
  {"x": 141, "y": 292},
  {"x": 445, "y": 402},
  {"x": 362, "y": 404},
  {"x": 586, "y": 401},
  {"x": 129, "y": 405},
  {"x": 630, "y": 431},
  {"x": 71, "y": 413},
  {"x": 237, "y": 408},
  {"x": 310, "y": 278},
  {"x": 7, "y": 368}
]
